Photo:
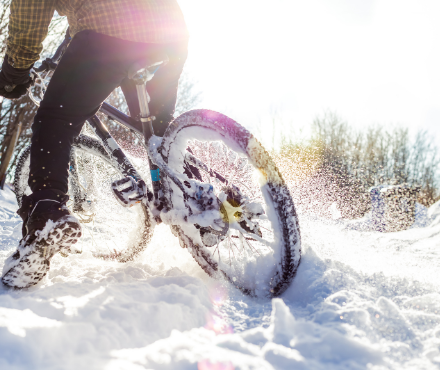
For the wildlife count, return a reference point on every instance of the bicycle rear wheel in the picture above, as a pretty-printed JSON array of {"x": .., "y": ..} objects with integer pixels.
[
  {"x": 261, "y": 251},
  {"x": 110, "y": 231}
]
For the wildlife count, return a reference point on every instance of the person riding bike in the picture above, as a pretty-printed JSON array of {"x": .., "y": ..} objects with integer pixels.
[{"x": 108, "y": 38}]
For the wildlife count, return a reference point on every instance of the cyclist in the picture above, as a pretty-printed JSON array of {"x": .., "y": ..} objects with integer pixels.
[{"x": 108, "y": 37}]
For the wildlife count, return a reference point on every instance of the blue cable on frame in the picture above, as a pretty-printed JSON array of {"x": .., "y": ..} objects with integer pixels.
[{"x": 155, "y": 175}]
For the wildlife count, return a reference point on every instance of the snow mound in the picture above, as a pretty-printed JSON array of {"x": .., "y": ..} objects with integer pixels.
[
  {"x": 285, "y": 344},
  {"x": 7, "y": 200},
  {"x": 83, "y": 321},
  {"x": 434, "y": 213}
]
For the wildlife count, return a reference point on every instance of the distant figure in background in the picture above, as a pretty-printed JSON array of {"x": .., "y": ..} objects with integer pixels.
[{"x": 108, "y": 37}]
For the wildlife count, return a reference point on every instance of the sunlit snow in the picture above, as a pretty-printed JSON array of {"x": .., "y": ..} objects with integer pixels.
[{"x": 360, "y": 300}]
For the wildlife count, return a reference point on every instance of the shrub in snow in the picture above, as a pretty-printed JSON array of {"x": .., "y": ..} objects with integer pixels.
[{"x": 393, "y": 207}]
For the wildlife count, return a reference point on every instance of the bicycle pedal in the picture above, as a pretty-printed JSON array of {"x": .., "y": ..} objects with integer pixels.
[{"x": 128, "y": 191}]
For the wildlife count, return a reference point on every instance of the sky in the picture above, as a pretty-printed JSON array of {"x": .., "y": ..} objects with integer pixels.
[{"x": 371, "y": 62}]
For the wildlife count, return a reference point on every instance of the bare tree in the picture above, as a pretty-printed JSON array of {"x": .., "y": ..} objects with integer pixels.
[
  {"x": 188, "y": 96},
  {"x": 340, "y": 164},
  {"x": 13, "y": 112}
]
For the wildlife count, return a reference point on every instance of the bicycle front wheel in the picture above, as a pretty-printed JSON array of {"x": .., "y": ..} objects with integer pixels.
[
  {"x": 261, "y": 252},
  {"x": 110, "y": 231}
]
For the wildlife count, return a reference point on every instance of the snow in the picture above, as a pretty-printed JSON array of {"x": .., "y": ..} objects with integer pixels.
[{"x": 360, "y": 300}]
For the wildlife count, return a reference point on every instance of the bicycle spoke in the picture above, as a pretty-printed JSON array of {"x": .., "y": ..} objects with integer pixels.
[
  {"x": 235, "y": 246},
  {"x": 265, "y": 228},
  {"x": 250, "y": 244},
  {"x": 235, "y": 236},
  {"x": 215, "y": 249},
  {"x": 232, "y": 250}
]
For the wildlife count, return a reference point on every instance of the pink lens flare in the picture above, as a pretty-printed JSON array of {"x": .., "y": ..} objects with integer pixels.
[
  {"x": 217, "y": 324},
  {"x": 208, "y": 365},
  {"x": 218, "y": 294}
]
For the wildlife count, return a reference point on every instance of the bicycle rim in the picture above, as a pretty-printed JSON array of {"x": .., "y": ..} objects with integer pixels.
[
  {"x": 110, "y": 231},
  {"x": 261, "y": 264}
]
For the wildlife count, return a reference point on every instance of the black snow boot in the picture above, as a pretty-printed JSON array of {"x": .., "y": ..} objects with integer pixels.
[{"x": 48, "y": 228}]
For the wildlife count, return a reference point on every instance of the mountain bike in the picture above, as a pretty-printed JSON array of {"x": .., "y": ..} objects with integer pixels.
[{"x": 207, "y": 178}]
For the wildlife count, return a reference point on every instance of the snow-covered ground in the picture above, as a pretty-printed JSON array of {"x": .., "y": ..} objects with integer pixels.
[{"x": 360, "y": 300}]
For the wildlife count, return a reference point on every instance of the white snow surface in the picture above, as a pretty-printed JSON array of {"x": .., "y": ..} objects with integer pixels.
[{"x": 360, "y": 300}]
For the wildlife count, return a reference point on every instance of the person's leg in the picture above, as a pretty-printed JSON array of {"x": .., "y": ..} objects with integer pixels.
[
  {"x": 91, "y": 68},
  {"x": 162, "y": 88}
]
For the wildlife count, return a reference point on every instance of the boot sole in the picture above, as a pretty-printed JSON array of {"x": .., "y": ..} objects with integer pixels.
[{"x": 34, "y": 265}]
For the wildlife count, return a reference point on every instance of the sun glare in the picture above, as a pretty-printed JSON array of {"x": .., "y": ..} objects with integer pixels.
[{"x": 359, "y": 58}]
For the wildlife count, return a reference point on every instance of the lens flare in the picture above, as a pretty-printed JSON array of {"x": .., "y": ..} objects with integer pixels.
[
  {"x": 218, "y": 294},
  {"x": 214, "y": 321},
  {"x": 217, "y": 324}
]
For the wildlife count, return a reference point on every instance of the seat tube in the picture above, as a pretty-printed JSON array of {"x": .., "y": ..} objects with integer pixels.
[{"x": 147, "y": 127}]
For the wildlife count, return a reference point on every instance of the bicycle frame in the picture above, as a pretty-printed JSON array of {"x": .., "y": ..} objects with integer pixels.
[
  {"x": 114, "y": 150},
  {"x": 156, "y": 201}
]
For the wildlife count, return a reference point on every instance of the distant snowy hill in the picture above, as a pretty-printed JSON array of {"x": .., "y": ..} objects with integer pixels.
[{"x": 360, "y": 300}]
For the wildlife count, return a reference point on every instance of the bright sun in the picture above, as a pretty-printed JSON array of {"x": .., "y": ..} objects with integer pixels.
[{"x": 359, "y": 58}]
